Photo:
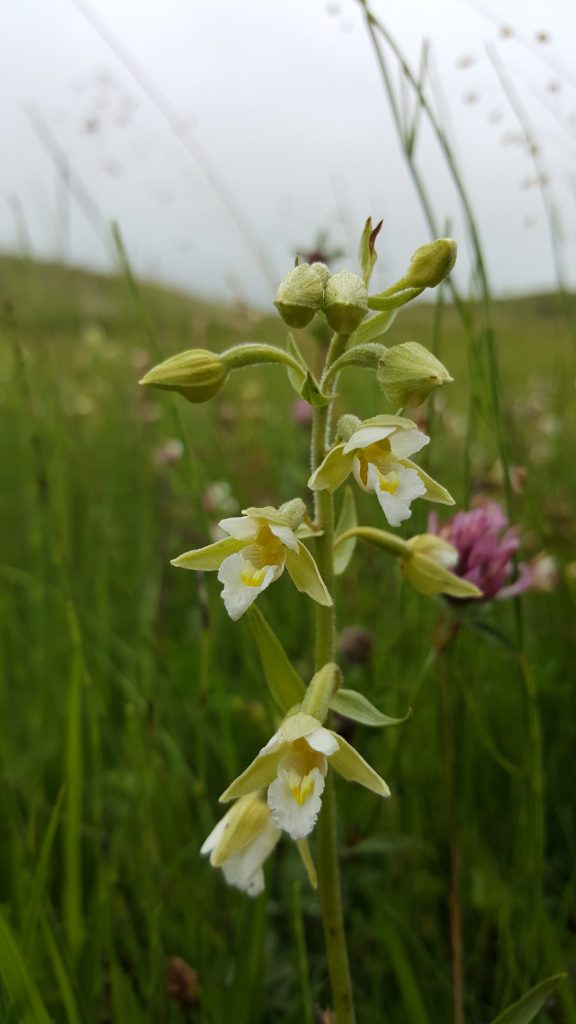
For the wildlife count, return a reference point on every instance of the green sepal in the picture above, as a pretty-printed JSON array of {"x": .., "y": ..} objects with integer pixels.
[
  {"x": 258, "y": 775},
  {"x": 347, "y": 520},
  {"x": 531, "y": 1002},
  {"x": 282, "y": 679},
  {"x": 434, "y": 491},
  {"x": 354, "y": 705},
  {"x": 332, "y": 471},
  {"x": 305, "y": 575},
  {"x": 210, "y": 558},
  {"x": 352, "y": 767},
  {"x": 367, "y": 254}
]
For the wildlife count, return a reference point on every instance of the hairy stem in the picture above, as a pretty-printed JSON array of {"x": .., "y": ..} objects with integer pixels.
[{"x": 328, "y": 865}]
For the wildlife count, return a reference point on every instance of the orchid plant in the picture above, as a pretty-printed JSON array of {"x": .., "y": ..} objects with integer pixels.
[{"x": 288, "y": 787}]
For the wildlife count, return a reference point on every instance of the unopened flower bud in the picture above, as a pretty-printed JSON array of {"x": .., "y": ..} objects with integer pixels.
[
  {"x": 408, "y": 373},
  {"x": 294, "y": 511},
  {"x": 197, "y": 374},
  {"x": 345, "y": 301},
  {"x": 431, "y": 263},
  {"x": 322, "y": 270},
  {"x": 429, "y": 566},
  {"x": 346, "y": 426},
  {"x": 299, "y": 295}
]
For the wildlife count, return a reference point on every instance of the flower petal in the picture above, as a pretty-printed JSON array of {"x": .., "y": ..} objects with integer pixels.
[
  {"x": 242, "y": 527},
  {"x": 306, "y": 575},
  {"x": 210, "y": 557},
  {"x": 323, "y": 741},
  {"x": 294, "y": 727},
  {"x": 244, "y": 869},
  {"x": 245, "y": 820},
  {"x": 211, "y": 841},
  {"x": 365, "y": 436},
  {"x": 407, "y": 442},
  {"x": 258, "y": 775},
  {"x": 286, "y": 535},
  {"x": 352, "y": 767},
  {"x": 236, "y": 593},
  {"x": 293, "y": 816},
  {"x": 332, "y": 471},
  {"x": 267, "y": 514},
  {"x": 395, "y": 504}
]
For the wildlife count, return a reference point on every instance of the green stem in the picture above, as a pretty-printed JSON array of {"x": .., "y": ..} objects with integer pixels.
[{"x": 328, "y": 865}]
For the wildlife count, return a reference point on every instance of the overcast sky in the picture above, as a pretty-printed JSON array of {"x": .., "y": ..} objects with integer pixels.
[{"x": 288, "y": 132}]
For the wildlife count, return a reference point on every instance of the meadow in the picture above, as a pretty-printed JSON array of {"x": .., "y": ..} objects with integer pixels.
[{"x": 129, "y": 700}]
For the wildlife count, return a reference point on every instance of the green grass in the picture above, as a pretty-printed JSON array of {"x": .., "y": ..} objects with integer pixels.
[{"x": 128, "y": 700}]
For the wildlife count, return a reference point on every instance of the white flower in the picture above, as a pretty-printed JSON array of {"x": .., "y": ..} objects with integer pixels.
[
  {"x": 261, "y": 543},
  {"x": 293, "y": 766},
  {"x": 240, "y": 843},
  {"x": 377, "y": 453}
]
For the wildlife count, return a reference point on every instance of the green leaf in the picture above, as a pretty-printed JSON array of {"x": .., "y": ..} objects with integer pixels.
[
  {"x": 528, "y": 1006},
  {"x": 311, "y": 393},
  {"x": 18, "y": 981},
  {"x": 40, "y": 878},
  {"x": 354, "y": 705},
  {"x": 304, "y": 383},
  {"x": 489, "y": 632},
  {"x": 374, "y": 328},
  {"x": 367, "y": 254},
  {"x": 381, "y": 845},
  {"x": 283, "y": 681},
  {"x": 347, "y": 520},
  {"x": 295, "y": 378}
]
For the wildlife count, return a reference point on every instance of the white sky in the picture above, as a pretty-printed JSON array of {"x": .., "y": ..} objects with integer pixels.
[{"x": 283, "y": 97}]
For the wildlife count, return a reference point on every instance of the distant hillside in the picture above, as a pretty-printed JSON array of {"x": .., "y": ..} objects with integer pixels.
[{"x": 51, "y": 298}]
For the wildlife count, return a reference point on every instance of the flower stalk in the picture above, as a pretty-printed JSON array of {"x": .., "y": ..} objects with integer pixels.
[{"x": 328, "y": 864}]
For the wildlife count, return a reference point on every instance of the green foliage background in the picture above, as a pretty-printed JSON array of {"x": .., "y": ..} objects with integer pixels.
[{"x": 128, "y": 700}]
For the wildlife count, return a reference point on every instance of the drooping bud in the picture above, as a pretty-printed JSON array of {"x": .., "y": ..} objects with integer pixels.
[
  {"x": 431, "y": 263},
  {"x": 294, "y": 511},
  {"x": 428, "y": 566},
  {"x": 197, "y": 374},
  {"x": 322, "y": 270},
  {"x": 346, "y": 426},
  {"x": 408, "y": 373},
  {"x": 320, "y": 690},
  {"x": 345, "y": 301},
  {"x": 299, "y": 295}
]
